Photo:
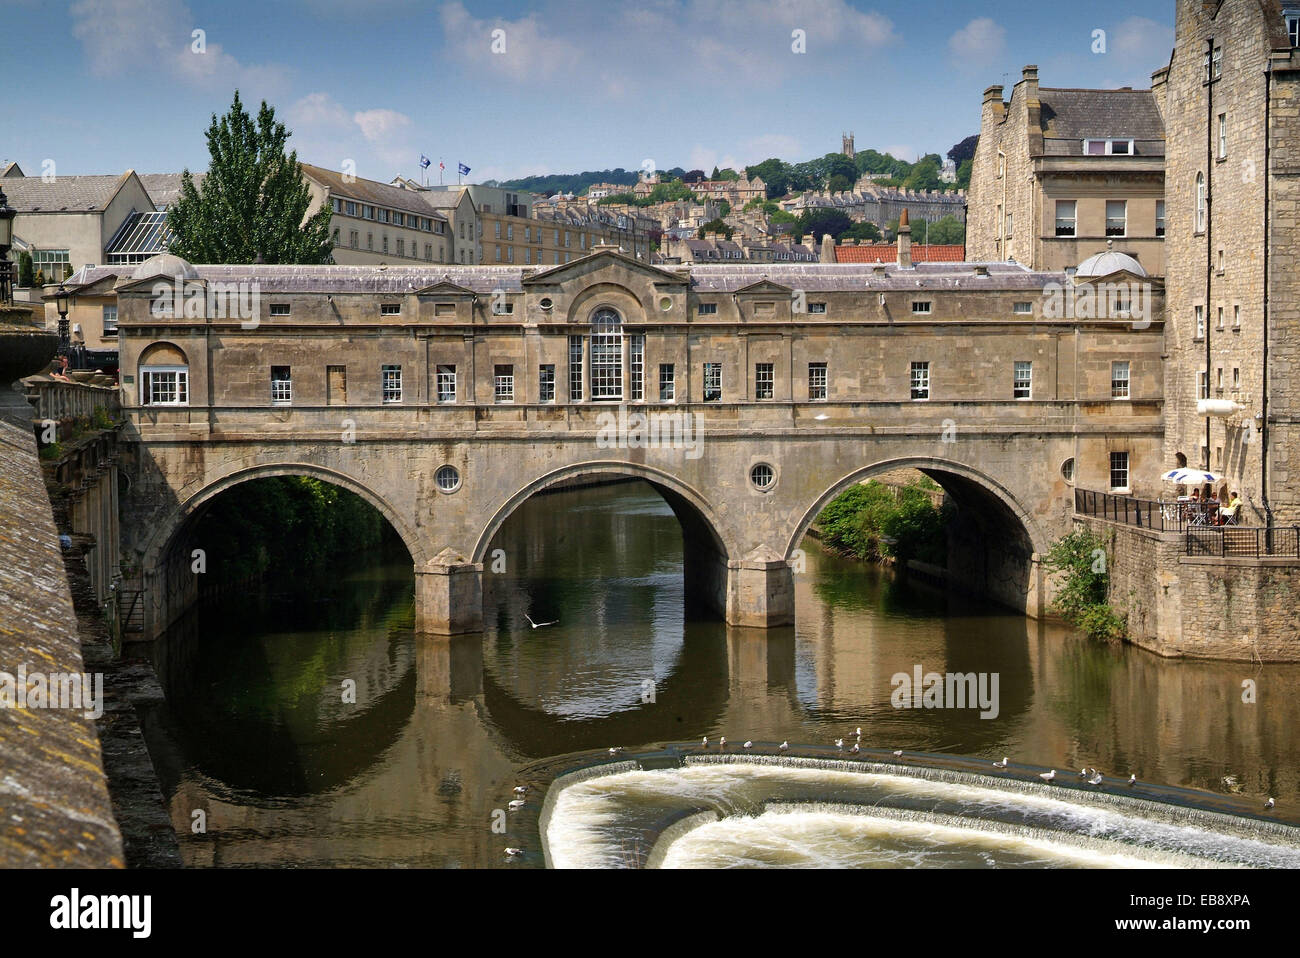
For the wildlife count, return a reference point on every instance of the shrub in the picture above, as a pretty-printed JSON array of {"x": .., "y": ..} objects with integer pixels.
[{"x": 1081, "y": 560}]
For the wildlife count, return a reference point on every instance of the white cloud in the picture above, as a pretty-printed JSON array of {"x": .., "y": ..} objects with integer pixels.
[
  {"x": 978, "y": 43},
  {"x": 621, "y": 50},
  {"x": 379, "y": 141},
  {"x": 902, "y": 151},
  {"x": 1143, "y": 44},
  {"x": 127, "y": 36},
  {"x": 382, "y": 126}
]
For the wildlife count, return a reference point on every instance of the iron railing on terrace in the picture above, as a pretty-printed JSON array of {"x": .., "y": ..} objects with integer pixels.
[
  {"x": 1145, "y": 513},
  {"x": 1229, "y": 542}
]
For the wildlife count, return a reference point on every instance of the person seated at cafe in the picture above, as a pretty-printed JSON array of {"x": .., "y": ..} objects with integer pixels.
[{"x": 1229, "y": 512}]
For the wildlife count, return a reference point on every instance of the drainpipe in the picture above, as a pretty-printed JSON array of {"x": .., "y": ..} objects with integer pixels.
[
  {"x": 1209, "y": 224},
  {"x": 1263, "y": 410},
  {"x": 1001, "y": 226}
]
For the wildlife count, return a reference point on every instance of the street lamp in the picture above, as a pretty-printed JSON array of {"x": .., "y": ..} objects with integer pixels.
[
  {"x": 62, "y": 300},
  {"x": 7, "y": 214}
]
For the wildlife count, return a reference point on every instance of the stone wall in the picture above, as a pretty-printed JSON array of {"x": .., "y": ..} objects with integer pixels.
[
  {"x": 1201, "y": 606},
  {"x": 53, "y": 792}
]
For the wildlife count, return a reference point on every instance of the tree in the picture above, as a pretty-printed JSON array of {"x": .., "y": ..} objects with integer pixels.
[
  {"x": 963, "y": 174},
  {"x": 775, "y": 175},
  {"x": 714, "y": 226},
  {"x": 26, "y": 276},
  {"x": 724, "y": 208},
  {"x": 839, "y": 183},
  {"x": 819, "y": 221},
  {"x": 837, "y": 164},
  {"x": 924, "y": 175},
  {"x": 254, "y": 200},
  {"x": 861, "y": 231},
  {"x": 963, "y": 151},
  {"x": 948, "y": 231},
  {"x": 694, "y": 176}
]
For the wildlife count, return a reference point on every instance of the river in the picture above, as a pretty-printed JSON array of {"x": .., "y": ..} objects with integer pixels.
[{"x": 306, "y": 725}]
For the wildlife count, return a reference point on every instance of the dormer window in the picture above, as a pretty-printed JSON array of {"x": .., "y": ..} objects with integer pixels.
[{"x": 1108, "y": 147}]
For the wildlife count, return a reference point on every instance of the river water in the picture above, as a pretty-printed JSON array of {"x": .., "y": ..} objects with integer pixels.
[{"x": 306, "y": 725}]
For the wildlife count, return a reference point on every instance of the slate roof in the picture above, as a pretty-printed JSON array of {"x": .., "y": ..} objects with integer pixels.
[
  {"x": 165, "y": 188},
  {"x": 372, "y": 192},
  {"x": 63, "y": 194},
  {"x": 1070, "y": 116}
]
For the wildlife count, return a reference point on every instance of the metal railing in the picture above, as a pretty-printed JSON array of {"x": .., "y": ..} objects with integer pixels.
[
  {"x": 1143, "y": 513},
  {"x": 1228, "y": 542}
]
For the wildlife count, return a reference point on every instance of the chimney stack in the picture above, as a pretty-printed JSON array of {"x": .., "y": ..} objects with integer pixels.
[
  {"x": 828, "y": 248},
  {"x": 904, "y": 241}
]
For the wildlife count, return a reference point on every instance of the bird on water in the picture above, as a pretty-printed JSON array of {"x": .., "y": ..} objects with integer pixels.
[
  {"x": 520, "y": 789},
  {"x": 1047, "y": 776},
  {"x": 1096, "y": 778},
  {"x": 898, "y": 753},
  {"x": 748, "y": 744},
  {"x": 1132, "y": 779},
  {"x": 514, "y": 852},
  {"x": 839, "y": 744},
  {"x": 784, "y": 746},
  {"x": 516, "y": 803},
  {"x": 854, "y": 749},
  {"x": 1001, "y": 764},
  {"x": 1268, "y": 804}
]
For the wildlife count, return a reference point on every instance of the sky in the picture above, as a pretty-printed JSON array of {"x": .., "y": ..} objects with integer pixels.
[{"x": 556, "y": 86}]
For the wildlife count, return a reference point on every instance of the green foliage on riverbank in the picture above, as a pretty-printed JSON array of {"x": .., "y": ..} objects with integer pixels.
[
  {"x": 285, "y": 525},
  {"x": 1080, "y": 559},
  {"x": 870, "y": 521}
]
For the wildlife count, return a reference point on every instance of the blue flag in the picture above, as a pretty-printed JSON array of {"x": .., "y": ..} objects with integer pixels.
[
  {"x": 424, "y": 162},
  {"x": 464, "y": 170}
]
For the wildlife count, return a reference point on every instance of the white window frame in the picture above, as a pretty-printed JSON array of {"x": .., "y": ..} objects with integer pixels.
[
  {"x": 1072, "y": 219},
  {"x": 922, "y": 307},
  {"x": 282, "y": 396},
  {"x": 667, "y": 383},
  {"x": 712, "y": 382},
  {"x": 1160, "y": 217},
  {"x": 503, "y": 383},
  {"x": 109, "y": 325},
  {"x": 1022, "y": 386},
  {"x": 818, "y": 382},
  {"x": 764, "y": 381},
  {"x": 1223, "y": 136},
  {"x": 1202, "y": 384},
  {"x": 445, "y": 383},
  {"x": 920, "y": 381},
  {"x": 1199, "y": 311},
  {"x": 1123, "y": 227},
  {"x": 606, "y": 355},
  {"x": 546, "y": 383},
  {"x": 390, "y": 383},
  {"x": 181, "y": 385},
  {"x": 1200, "y": 203},
  {"x": 1121, "y": 387}
]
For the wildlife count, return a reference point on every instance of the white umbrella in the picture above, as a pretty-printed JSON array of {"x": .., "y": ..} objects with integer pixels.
[{"x": 1191, "y": 477}]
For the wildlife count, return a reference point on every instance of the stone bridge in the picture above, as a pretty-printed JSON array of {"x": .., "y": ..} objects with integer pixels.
[{"x": 765, "y": 410}]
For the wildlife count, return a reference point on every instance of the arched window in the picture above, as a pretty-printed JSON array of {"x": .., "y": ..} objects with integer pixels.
[
  {"x": 1200, "y": 202},
  {"x": 164, "y": 376},
  {"x": 606, "y": 355}
]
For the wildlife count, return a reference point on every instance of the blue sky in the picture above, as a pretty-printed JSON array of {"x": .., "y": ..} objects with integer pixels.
[{"x": 572, "y": 85}]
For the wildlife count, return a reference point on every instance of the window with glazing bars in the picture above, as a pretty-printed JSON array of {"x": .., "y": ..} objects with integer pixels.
[
  {"x": 816, "y": 381},
  {"x": 636, "y": 367},
  {"x": 281, "y": 385},
  {"x": 606, "y": 355},
  {"x": 546, "y": 383},
  {"x": 446, "y": 383},
  {"x": 575, "y": 369},
  {"x": 391, "y": 383},
  {"x": 712, "y": 382},
  {"x": 764, "y": 380},
  {"x": 667, "y": 383}
]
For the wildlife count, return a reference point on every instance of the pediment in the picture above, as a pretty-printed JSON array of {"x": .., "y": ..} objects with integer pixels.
[
  {"x": 764, "y": 287},
  {"x": 603, "y": 259},
  {"x": 444, "y": 287}
]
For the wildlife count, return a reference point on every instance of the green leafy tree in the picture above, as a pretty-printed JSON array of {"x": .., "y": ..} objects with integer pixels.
[
  {"x": 724, "y": 208},
  {"x": 254, "y": 200},
  {"x": 965, "y": 150},
  {"x": 1080, "y": 559},
  {"x": 26, "y": 275},
  {"x": 714, "y": 226},
  {"x": 819, "y": 221},
  {"x": 948, "y": 231},
  {"x": 963, "y": 174},
  {"x": 925, "y": 175},
  {"x": 862, "y": 231}
]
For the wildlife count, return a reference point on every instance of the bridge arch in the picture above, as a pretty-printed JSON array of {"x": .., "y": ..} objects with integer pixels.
[
  {"x": 1001, "y": 542},
  {"x": 693, "y": 509},
  {"x": 194, "y": 495}
]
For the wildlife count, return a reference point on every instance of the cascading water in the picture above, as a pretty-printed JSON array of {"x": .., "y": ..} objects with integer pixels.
[{"x": 776, "y": 811}]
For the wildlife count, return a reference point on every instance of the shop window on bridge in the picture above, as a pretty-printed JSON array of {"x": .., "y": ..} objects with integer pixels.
[
  {"x": 667, "y": 383},
  {"x": 164, "y": 376},
  {"x": 712, "y": 382},
  {"x": 391, "y": 383},
  {"x": 764, "y": 380},
  {"x": 503, "y": 383},
  {"x": 816, "y": 381}
]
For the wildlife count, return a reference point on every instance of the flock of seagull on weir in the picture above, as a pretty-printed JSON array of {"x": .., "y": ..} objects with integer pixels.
[{"x": 1088, "y": 774}]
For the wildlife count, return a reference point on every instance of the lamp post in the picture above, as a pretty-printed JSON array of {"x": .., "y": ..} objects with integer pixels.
[
  {"x": 62, "y": 300},
  {"x": 7, "y": 214}
]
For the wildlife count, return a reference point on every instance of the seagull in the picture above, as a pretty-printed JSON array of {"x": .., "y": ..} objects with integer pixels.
[
  {"x": 1132, "y": 779},
  {"x": 705, "y": 742},
  {"x": 514, "y": 852},
  {"x": 516, "y": 803},
  {"x": 1096, "y": 778},
  {"x": 1268, "y": 804},
  {"x": 784, "y": 746},
  {"x": 1047, "y": 776},
  {"x": 1001, "y": 764},
  {"x": 839, "y": 744},
  {"x": 538, "y": 625},
  {"x": 520, "y": 789},
  {"x": 898, "y": 753},
  {"x": 749, "y": 744},
  {"x": 722, "y": 742},
  {"x": 859, "y": 732},
  {"x": 615, "y": 750},
  {"x": 1083, "y": 773},
  {"x": 854, "y": 749}
]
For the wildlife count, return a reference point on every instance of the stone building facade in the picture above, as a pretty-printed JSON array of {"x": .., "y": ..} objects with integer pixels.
[
  {"x": 1231, "y": 98},
  {"x": 446, "y": 395},
  {"x": 1059, "y": 174}
]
